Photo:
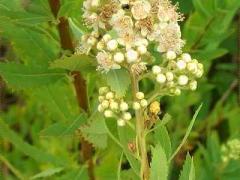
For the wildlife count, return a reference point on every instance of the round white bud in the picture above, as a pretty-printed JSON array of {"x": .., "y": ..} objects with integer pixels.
[
  {"x": 199, "y": 73},
  {"x": 161, "y": 78},
  {"x": 118, "y": 57},
  {"x": 121, "y": 122},
  {"x": 112, "y": 45},
  {"x": 169, "y": 76},
  {"x": 177, "y": 92},
  {"x": 144, "y": 103},
  {"x": 193, "y": 85},
  {"x": 200, "y": 66},
  {"x": 100, "y": 108},
  {"x": 181, "y": 64},
  {"x": 108, "y": 113},
  {"x": 132, "y": 56},
  {"x": 136, "y": 106},
  {"x": 186, "y": 57},
  {"x": 91, "y": 40},
  {"x": 127, "y": 116},
  {"x": 192, "y": 67},
  {"x": 123, "y": 106},
  {"x": 101, "y": 98},
  {"x": 103, "y": 90},
  {"x": 110, "y": 95},
  {"x": 107, "y": 37},
  {"x": 95, "y": 3},
  {"x": 156, "y": 69},
  {"x": 182, "y": 80},
  {"x": 113, "y": 105},
  {"x": 140, "y": 95},
  {"x": 171, "y": 55},
  {"x": 142, "y": 49},
  {"x": 105, "y": 104},
  {"x": 100, "y": 45}
]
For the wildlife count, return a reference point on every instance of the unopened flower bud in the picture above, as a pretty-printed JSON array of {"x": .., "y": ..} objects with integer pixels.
[
  {"x": 156, "y": 69},
  {"x": 100, "y": 108},
  {"x": 171, "y": 55},
  {"x": 113, "y": 105},
  {"x": 193, "y": 85},
  {"x": 100, "y": 45},
  {"x": 177, "y": 92},
  {"x": 109, "y": 95},
  {"x": 103, "y": 90},
  {"x": 132, "y": 56},
  {"x": 186, "y": 57},
  {"x": 91, "y": 40},
  {"x": 181, "y": 64},
  {"x": 118, "y": 57},
  {"x": 140, "y": 95},
  {"x": 127, "y": 116},
  {"x": 121, "y": 122},
  {"x": 108, "y": 113},
  {"x": 142, "y": 49},
  {"x": 161, "y": 78},
  {"x": 107, "y": 37},
  {"x": 192, "y": 67},
  {"x": 101, "y": 98},
  {"x": 169, "y": 76},
  {"x": 182, "y": 80},
  {"x": 123, "y": 106},
  {"x": 112, "y": 45},
  {"x": 136, "y": 106},
  {"x": 105, "y": 104},
  {"x": 144, "y": 103}
]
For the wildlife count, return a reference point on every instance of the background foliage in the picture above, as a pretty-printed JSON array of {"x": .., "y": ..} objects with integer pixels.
[{"x": 39, "y": 116}]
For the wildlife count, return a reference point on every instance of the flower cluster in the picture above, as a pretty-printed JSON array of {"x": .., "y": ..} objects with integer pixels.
[
  {"x": 140, "y": 101},
  {"x": 126, "y": 29},
  {"x": 231, "y": 150},
  {"x": 178, "y": 73},
  {"x": 112, "y": 106}
]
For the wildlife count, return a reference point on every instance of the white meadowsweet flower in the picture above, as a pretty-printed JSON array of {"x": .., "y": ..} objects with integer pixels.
[
  {"x": 182, "y": 80},
  {"x": 140, "y": 9},
  {"x": 161, "y": 78},
  {"x": 156, "y": 69},
  {"x": 105, "y": 62}
]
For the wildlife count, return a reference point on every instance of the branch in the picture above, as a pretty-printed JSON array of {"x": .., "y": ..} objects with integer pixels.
[{"x": 79, "y": 82}]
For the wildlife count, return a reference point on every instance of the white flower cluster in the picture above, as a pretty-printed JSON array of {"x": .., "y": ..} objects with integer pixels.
[
  {"x": 231, "y": 150},
  {"x": 179, "y": 73},
  {"x": 135, "y": 24},
  {"x": 141, "y": 102},
  {"x": 112, "y": 106}
]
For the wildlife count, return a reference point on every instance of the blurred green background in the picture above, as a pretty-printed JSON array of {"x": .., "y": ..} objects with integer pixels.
[{"x": 29, "y": 145}]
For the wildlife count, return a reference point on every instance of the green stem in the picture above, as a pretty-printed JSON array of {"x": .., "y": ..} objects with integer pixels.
[
  {"x": 12, "y": 168},
  {"x": 140, "y": 131}
]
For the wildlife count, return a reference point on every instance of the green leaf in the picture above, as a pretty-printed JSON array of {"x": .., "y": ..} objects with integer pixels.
[
  {"x": 27, "y": 149},
  {"x": 161, "y": 136},
  {"x": 159, "y": 164},
  {"x": 82, "y": 63},
  {"x": 21, "y": 76},
  {"x": 119, "y": 81},
  {"x": 188, "y": 171},
  {"x": 47, "y": 173},
  {"x": 64, "y": 129},
  {"x": 95, "y": 131},
  {"x": 187, "y": 133}
]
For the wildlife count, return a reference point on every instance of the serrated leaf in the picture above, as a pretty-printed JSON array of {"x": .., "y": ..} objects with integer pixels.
[
  {"x": 64, "y": 129},
  {"x": 75, "y": 62},
  {"x": 47, "y": 173},
  {"x": 159, "y": 164},
  {"x": 161, "y": 136},
  {"x": 22, "y": 76},
  {"x": 95, "y": 131},
  {"x": 27, "y": 149},
  {"x": 119, "y": 81},
  {"x": 188, "y": 171}
]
